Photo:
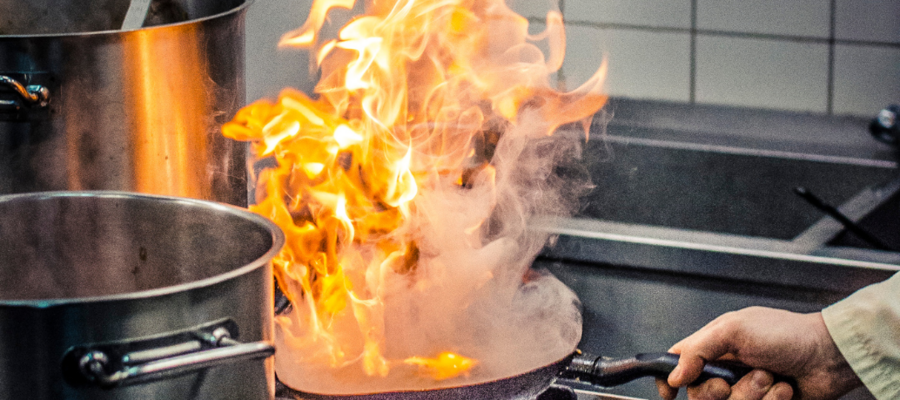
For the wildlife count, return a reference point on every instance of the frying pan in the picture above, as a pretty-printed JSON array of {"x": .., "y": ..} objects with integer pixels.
[{"x": 599, "y": 371}]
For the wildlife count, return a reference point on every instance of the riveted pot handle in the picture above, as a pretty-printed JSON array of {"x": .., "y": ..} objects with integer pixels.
[
  {"x": 169, "y": 361},
  {"x": 31, "y": 95}
]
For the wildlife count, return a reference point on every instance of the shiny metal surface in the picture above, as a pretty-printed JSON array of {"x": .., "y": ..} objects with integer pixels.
[
  {"x": 78, "y": 268},
  {"x": 163, "y": 362},
  {"x": 135, "y": 110}
]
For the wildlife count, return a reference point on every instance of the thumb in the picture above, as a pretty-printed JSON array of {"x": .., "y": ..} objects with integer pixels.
[
  {"x": 694, "y": 351},
  {"x": 689, "y": 368}
]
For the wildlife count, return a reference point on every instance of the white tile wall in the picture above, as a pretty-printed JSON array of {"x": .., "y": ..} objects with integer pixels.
[
  {"x": 269, "y": 69},
  {"x": 655, "y": 13},
  {"x": 641, "y": 64},
  {"x": 865, "y": 79},
  {"x": 747, "y": 51},
  {"x": 762, "y": 73},
  {"x": 533, "y": 8},
  {"x": 868, "y": 20},
  {"x": 776, "y": 17}
]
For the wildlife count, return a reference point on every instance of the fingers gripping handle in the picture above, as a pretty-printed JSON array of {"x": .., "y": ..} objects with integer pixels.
[{"x": 612, "y": 372}]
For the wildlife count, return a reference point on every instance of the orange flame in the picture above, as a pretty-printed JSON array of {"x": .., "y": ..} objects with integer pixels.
[
  {"x": 445, "y": 366},
  {"x": 406, "y": 92}
]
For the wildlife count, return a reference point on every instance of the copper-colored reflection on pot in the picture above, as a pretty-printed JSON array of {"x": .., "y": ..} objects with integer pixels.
[
  {"x": 171, "y": 142},
  {"x": 404, "y": 188}
]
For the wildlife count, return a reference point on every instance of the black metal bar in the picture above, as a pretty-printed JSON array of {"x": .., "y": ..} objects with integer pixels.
[{"x": 848, "y": 224}]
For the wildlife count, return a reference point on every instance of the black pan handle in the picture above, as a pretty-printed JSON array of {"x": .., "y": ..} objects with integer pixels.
[{"x": 609, "y": 372}]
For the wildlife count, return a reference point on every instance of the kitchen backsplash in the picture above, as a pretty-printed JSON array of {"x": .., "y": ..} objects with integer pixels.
[{"x": 821, "y": 56}]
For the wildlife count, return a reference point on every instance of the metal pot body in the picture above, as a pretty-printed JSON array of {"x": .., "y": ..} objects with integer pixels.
[
  {"x": 106, "y": 109},
  {"x": 135, "y": 277}
]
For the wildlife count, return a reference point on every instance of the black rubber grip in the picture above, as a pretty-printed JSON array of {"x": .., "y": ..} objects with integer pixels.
[{"x": 612, "y": 372}]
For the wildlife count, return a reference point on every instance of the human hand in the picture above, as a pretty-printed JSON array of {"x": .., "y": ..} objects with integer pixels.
[{"x": 783, "y": 342}]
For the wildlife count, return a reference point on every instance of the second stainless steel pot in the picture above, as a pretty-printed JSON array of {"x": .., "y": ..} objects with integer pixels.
[
  {"x": 112, "y": 295},
  {"x": 87, "y": 106}
]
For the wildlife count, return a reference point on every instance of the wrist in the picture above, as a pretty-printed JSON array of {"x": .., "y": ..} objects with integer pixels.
[{"x": 837, "y": 376}]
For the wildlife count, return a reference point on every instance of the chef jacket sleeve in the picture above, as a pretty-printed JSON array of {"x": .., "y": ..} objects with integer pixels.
[{"x": 866, "y": 328}]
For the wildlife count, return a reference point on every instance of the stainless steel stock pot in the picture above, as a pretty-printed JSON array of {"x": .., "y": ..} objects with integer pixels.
[
  {"x": 86, "y": 105},
  {"x": 114, "y": 295}
]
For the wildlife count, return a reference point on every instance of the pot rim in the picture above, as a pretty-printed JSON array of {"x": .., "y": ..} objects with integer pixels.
[
  {"x": 238, "y": 9},
  {"x": 278, "y": 241}
]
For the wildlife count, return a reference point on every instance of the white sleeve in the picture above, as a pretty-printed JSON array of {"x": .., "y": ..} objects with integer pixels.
[{"x": 866, "y": 328}]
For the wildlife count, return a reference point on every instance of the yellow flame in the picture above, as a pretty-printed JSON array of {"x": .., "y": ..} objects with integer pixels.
[
  {"x": 405, "y": 90},
  {"x": 446, "y": 365},
  {"x": 346, "y": 137}
]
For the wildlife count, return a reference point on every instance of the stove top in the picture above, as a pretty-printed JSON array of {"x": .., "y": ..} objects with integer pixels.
[
  {"x": 564, "y": 392},
  {"x": 601, "y": 396}
]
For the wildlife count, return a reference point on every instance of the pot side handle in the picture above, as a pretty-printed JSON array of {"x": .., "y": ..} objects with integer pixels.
[
  {"x": 32, "y": 95},
  {"x": 170, "y": 361}
]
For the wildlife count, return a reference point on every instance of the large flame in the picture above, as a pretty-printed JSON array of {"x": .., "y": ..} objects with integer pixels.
[{"x": 402, "y": 192}]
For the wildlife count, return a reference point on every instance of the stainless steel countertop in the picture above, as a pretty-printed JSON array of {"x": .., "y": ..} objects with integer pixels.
[{"x": 583, "y": 395}]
